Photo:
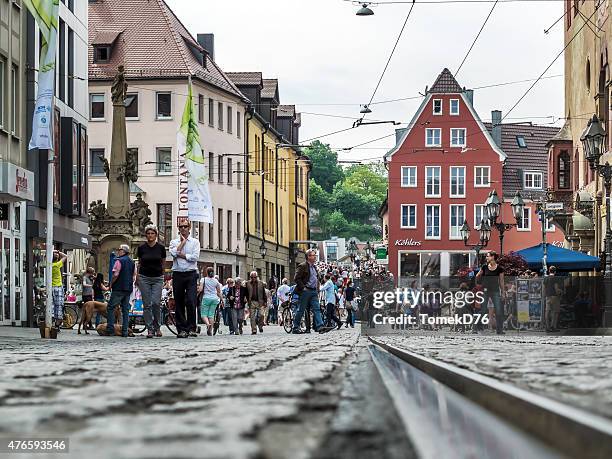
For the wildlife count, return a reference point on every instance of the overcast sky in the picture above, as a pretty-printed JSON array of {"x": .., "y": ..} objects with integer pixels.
[{"x": 323, "y": 54}]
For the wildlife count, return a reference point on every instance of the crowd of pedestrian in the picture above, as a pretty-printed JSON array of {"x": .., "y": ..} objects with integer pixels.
[{"x": 323, "y": 296}]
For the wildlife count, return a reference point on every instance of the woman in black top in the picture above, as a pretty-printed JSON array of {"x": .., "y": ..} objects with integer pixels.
[
  {"x": 492, "y": 277},
  {"x": 237, "y": 300},
  {"x": 150, "y": 279}
]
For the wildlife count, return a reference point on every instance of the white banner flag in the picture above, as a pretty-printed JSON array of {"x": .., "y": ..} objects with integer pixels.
[
  {"x": 190, "y": 154},
  {"x": 46, "y": 13}
]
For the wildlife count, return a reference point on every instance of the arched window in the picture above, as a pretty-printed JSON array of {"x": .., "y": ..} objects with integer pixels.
[{"x": 563, "y": 170}]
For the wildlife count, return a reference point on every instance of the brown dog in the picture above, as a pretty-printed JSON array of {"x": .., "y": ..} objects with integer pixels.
[
  {"x": 89, "y": 309},
  {"x": 101, "y": 329}
]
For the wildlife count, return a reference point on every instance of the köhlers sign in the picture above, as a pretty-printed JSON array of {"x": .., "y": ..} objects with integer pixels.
[{"x": 407, "y": 243}]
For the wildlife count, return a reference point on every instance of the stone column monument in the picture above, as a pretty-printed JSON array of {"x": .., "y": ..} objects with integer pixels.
[{"x": 119, "y": 221}]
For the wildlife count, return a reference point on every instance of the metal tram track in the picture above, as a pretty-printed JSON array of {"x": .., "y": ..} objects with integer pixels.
[{"x": 450, "y": 412}]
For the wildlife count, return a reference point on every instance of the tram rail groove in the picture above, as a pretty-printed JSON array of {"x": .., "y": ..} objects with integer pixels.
[{"x": 570, "y": 430}]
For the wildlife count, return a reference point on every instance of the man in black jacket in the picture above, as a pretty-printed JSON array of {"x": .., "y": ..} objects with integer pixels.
[{"x": 307, "y": 287}]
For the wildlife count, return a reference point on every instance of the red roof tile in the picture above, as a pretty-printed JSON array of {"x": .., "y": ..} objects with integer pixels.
[
  {"x": 445, "y": 83},
  {"x": 154, "y": 44},
  {"x": 246, "y": 78}
]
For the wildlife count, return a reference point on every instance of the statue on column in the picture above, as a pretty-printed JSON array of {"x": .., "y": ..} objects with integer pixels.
[
  {"x": 140, "y": 215},
  {"x": 119, "y": 87}
]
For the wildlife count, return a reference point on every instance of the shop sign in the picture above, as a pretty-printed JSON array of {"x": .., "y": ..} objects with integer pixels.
[
  {"x": 407, "y": 243},
  {"x": 17, "y": 182},
  {"x": 381, "y": 253}
]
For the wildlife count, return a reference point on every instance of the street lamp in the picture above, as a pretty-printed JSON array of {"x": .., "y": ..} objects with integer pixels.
[
  {"x": 364, "y": 10},
  {"x": 262, "y": 249},
  {"x": 365, "y": 109},
  {"x": 485, "y": 235},
  {"x": 493, "y": 206},
  {"x": 593, "y": 142}
]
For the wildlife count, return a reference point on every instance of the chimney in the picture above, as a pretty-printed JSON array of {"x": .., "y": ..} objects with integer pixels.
[
  {"x": 469, "y": 94},
  {"x": 496, "y": 117},
  {"x": 207, "y": 41},
  {"x": 398, "y": 135}
]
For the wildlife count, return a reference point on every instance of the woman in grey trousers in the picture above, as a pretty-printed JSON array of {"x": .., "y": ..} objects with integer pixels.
[{"x": 150, "y": 279}]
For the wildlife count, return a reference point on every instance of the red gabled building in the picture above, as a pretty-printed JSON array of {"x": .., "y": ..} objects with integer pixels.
[{"x": 440, "y": 173}]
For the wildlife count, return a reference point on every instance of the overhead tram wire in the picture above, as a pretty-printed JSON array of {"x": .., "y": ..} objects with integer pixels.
[
  {"x": 549, "y": 66},
  {"x": 476, "y": 38}
]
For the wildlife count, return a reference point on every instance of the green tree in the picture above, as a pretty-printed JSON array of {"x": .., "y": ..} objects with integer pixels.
[
  {"x": 365, "y": 180},
  {"x": 325, "y": 169},
  {"x": 354, "y": 206},
  {"x": 319, "y": 198},
  {"x": 333, "y": 223}
]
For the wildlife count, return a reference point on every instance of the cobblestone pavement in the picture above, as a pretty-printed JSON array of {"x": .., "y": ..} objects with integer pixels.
[
  {"x": 270, "y": 395},
  {"x": 576, "y": 370}
]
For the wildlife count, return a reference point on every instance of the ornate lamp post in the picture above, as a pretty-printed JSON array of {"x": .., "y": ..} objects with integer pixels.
[
  {"x": 493, "y": 206},
  {"x": 484, "y": 233},
  {"x": 262, "y": 249},
  {"x": 593, "y": 142}
]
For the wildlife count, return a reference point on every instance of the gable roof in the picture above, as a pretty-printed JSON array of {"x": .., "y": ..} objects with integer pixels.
[
  {"x": 270, "y": 88},
  {"x": 445, "y": 84},
  {"x": 286, "y": 111},
  {"x": 532, "y": 158},
  {"x": 413, "y": 121},
  {"x": 153, "y": 44},
  {"x": 246, "y": 78}
]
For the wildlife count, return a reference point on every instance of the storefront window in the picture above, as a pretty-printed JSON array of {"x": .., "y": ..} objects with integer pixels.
[
  {"x": 409, "y": 265},
  {"x": 430, "y": 265},
  {"x": 458, "y": 261}
]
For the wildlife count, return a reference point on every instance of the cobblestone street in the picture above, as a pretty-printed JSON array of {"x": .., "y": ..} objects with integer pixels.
[
  {"x": 576, "y": 370},
  {"x": 222, "y": 396}
]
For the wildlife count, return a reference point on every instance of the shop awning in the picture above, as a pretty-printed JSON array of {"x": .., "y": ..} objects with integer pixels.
[{"x": 562, "y": 259}]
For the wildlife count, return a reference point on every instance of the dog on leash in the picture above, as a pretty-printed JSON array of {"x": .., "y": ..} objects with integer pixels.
[
  {"x": 101, "y": 329},
  {"x": 89, "y": 309}
]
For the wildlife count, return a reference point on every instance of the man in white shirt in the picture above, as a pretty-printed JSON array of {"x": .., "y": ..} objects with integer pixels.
[
  {"x": 282, "y": 293},
  {"x": 185, "y": 251}
]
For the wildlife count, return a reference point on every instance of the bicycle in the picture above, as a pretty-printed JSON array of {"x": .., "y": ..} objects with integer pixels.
[
  {"x": 168, "y": 317},
  {"x": 71, "y": 316}
]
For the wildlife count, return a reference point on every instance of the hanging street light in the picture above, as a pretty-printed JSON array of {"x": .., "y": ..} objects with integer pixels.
[
  {"x": 493, "y": 206},
  {"x": 518, "y": 205},
  {"x": 593, "y": 141},
  {"x": 365, "y": 10},
  {"x": 262, "y": 249},
  {"x": 365, "y": 109}
]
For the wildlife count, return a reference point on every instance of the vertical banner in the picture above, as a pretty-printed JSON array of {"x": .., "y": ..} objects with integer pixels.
[
  {"x": 46, "y": 14},
  {"x": 192, "y": 165}
]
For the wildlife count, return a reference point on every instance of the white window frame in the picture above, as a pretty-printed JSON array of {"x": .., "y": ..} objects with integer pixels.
[
  {"x": 482, "y": 185},
  {"x": 434, "y": 195},
  {"x": 433, "y": 130},
  {"x": 433, "y": 107},
  {"x": 483, "y": 214},
  {"x": 408, "y": 206},
  {"x": 157, "y": 160},
  {"x": 450, "y": 182},
  {"x": 91, "y": 95},
  {"x": 528, "y": 228},
  {"x": 133, "y": 118},
  {"x": 439, "y": 236},
  {"x": 549, "y": 228},
  {"x": 450, "y": 222},
  {"x": 411, "y": 183},
  {"x": 157, "y": 117},
  {"x": 458, "y": 145},
  {"x": 450, "y": 107},
  {"x": 533, "y": 174}
]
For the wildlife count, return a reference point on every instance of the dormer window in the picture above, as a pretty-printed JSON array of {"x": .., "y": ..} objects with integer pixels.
[
  {"x": 520, "y": 140},
  {"x": 437, "y": 106},
  {"x": 101, "y": 54}
]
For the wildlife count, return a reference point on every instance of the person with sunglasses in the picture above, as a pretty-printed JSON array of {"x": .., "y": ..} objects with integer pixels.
[{"x": 185, "y": 251}]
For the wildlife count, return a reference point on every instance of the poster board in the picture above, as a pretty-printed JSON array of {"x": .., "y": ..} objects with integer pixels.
[{"x": 529, "y": 299}]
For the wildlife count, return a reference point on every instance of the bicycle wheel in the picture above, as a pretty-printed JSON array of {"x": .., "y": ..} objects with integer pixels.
[
  {"x": 137, "y": 324},
  {"x": 169, "y": 321},
  {"x": 287, "y": 320},
  {"x": 70, "y": 317},
  {"x": 217, "y": 320}
]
